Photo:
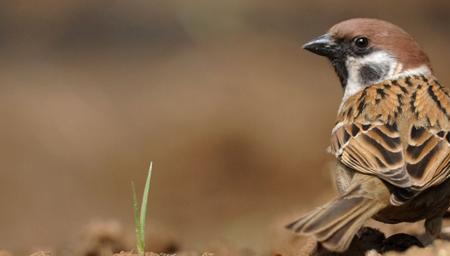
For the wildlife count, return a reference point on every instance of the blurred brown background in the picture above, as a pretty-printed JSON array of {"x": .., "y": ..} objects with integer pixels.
[{"x": 218, "y": 94}]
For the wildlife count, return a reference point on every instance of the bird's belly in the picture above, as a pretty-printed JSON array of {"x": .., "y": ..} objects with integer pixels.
[{"x": 428, "y": 204}]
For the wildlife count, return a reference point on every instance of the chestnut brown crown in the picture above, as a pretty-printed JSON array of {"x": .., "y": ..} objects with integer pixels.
[{"x": 385, "y": 36}]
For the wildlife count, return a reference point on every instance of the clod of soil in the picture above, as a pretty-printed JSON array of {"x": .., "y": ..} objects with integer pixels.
[{"x": 163, "y": 254}]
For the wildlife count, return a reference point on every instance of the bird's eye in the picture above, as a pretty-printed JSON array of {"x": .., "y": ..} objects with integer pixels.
[{"x": 361, "y": 42}]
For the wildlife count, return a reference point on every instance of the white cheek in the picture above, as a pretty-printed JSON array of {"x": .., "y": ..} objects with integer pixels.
[
  {"x": 352, "y": 86},
  {"x": 354, "y": 64}
]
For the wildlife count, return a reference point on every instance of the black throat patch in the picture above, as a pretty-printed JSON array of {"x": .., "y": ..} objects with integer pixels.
[{"x": 341, "y": 70}]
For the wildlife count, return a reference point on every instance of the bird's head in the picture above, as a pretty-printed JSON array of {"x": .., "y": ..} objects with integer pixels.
[{"x": 366, "y": 51}]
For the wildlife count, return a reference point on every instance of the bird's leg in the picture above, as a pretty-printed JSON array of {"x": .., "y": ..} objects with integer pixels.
[{"x": 433, "y": 228}]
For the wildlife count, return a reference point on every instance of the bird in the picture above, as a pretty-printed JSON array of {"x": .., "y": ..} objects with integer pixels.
[{"x": 391, "y": 139}]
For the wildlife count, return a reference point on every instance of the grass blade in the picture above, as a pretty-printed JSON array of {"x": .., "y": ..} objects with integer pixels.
[
  {"x": 137, "y": 222},
  {"x": 143, "y": 216}
]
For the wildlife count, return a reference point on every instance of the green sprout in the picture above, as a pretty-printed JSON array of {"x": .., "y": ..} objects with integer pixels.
[{"x": 140, "y": 216}]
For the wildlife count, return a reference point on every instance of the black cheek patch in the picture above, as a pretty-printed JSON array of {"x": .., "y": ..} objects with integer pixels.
[{"x": 371, "y": 73}]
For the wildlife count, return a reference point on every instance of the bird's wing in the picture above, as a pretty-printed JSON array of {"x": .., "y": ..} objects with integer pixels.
[
  {"x": 427, "y": 154},
  {"x": 375, "y": 150},
  {"x": 415, "y": 156}
]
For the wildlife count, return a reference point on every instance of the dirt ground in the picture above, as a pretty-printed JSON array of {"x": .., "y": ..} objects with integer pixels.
[{"x": 219, "y": 95}]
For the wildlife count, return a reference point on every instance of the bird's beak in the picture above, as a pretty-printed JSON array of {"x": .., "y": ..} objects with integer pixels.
[{"x": 323, "y": 45}]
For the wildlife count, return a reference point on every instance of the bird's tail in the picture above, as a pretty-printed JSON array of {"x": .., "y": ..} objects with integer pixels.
[{"x": 335, "y": 224}]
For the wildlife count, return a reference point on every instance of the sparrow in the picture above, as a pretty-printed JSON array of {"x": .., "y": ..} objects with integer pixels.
[{"x": 391, "y": 139}]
